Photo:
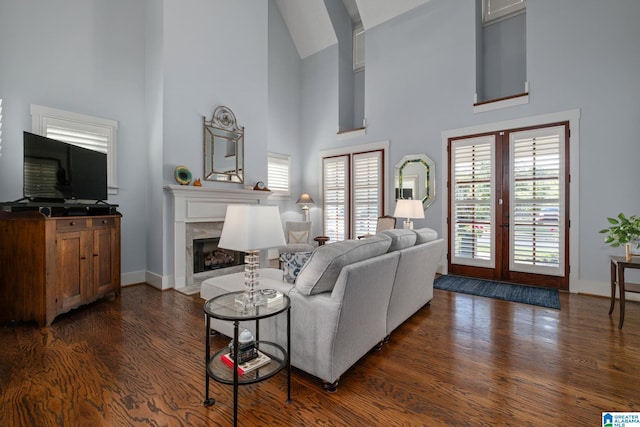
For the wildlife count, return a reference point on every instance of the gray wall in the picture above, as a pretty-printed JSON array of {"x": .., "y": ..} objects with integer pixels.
[
  {"x": 421, "y": 81},
  {"x": 158, "y": 66},
  {"x": 87, "y": 57},
  {"x": 285, "y": 103}
]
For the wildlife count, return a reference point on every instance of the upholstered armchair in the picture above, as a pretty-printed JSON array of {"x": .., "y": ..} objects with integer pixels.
[
  {"x": 298, "y": 237},
  {"x": 385, "y": 222}
]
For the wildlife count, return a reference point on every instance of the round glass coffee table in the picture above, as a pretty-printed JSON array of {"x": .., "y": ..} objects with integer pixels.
[{"x": 224, "y": 307}]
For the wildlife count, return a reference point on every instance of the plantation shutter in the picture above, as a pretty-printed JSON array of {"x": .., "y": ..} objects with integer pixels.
[
  {"x": 367, "y": 191},
  {"x": 86, "y": 139},
  {"x": 278, "y": 174},
  {"x": 473, "y": 181},
  {"x": 537, "y": 195},
  {"x": 336, "y": 197}
]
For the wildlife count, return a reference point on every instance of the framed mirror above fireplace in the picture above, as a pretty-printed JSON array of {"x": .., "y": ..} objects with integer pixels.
[{"x": 223, "y": 147}]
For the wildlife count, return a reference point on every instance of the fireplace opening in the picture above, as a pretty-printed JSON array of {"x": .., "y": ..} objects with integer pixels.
[{"x": 208, "y": 256}]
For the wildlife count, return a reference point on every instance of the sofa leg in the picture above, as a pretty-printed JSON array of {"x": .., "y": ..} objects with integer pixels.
[
  {"x": 331, "y": 387},
  {"x": 386, "y": 339},
  {"x": 378, "y": 346}
]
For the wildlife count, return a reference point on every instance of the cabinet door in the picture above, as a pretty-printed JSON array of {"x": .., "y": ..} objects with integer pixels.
[
  {"x": 105, "y": 266},
  {"x": 73, "y": 268}
]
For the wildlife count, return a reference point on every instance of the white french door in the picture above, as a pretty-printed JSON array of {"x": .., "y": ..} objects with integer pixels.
[{"x": 507, "y": 205}]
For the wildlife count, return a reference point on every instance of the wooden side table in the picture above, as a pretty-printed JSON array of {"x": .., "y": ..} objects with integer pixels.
[
  {"x": 321, "y": 240},
  {"x": 618, "y": 265}
]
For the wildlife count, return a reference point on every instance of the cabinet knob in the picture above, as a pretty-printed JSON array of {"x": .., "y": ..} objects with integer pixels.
[
  {"x": 96, "y": 255},
  {"x": 104, "y": 221},
  {"x": 72, "y": 223},
  {"x": 83, "y": 257}
]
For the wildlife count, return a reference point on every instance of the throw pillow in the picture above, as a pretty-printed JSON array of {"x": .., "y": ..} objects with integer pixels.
[
  {"x": 321, "y": 271},
  {"x": 400, "y": 239},
  {"x": 424, "y": 235},
  {"x": 298, "y": 236},
  {"x": 292, "y": 263}
]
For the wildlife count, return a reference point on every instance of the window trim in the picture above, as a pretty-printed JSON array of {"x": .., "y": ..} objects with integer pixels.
[
  {"x": 374, "y": 146},
  {"x": 42, "y": 117}
]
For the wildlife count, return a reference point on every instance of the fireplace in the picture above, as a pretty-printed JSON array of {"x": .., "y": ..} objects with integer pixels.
[
  {"x": 198, "y": 213},
  {"x": 208, "y": 256}
]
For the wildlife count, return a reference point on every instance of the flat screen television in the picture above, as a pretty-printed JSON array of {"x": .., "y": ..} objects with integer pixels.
[{"x": 56, "y": 171}]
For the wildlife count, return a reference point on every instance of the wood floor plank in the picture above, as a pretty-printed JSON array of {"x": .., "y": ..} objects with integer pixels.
[{"x": 138, "y": 360}]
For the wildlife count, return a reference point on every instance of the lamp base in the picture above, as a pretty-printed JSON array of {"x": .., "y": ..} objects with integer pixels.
[
  {"x": 251, "y": 297},
  {"x": 408, "y": 224}
]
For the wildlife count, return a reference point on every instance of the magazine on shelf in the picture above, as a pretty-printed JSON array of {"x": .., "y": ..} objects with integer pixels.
[{"x": 248, "y": 366}]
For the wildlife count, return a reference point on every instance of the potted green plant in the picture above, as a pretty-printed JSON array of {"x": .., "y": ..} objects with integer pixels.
[{"x": 623, "y": 232}]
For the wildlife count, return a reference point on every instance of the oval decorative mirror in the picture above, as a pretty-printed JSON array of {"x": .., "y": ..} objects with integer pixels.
[
  {"x": 415, "y": 179},
  {"x": 223, "y": 147}
]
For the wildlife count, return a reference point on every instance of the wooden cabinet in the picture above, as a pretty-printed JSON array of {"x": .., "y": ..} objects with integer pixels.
[{"x": 50, "y": 265}]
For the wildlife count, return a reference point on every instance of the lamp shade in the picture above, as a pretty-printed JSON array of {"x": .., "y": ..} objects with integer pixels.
[
  {"x": 251, "y": 227},
  {"x": 305, "y": 199},
  {"x": 409, "y": 209}
]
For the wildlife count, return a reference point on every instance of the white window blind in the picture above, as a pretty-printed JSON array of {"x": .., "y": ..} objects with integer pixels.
[
  {"x": 537, "y": 190},
  {"x": 367, "y": 191},
  {"x": 472, "y": 201},
  {"x": 335, "y": 197},
  {"x": 278, "y": 174},
  {"x": 84, "y": 131}
]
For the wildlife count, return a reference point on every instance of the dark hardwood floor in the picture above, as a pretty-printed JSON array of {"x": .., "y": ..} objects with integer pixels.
[{"x": 138, "y": 360}]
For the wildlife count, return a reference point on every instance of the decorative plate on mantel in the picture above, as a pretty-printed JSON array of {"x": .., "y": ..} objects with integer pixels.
[{"x": 182, "y": 175}]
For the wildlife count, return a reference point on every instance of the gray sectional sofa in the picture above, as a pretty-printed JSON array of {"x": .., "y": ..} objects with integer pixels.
[{"x": 347, "y": 298}]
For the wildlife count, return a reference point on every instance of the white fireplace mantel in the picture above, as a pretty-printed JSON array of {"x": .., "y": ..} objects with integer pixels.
[{"x": 201, "y": 204}]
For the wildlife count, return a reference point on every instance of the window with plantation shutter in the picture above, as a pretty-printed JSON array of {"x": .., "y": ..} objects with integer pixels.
[
  {"x": 335, "y": 180},
  {"x": 78, "y": 129},
  {"x": 537, "y": 189},
  {"x": 473, "y": 176},
  {"x": 367, "y": 192},
  {"x": 353, "y": 192},
  {"x": 278, "y": 175}
]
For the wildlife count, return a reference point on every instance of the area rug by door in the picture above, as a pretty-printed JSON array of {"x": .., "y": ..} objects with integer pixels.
[{"x": 499, "y": 290}]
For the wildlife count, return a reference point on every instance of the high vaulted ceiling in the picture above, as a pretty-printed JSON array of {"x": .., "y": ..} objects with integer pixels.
[{"x": 310, "y": 27}]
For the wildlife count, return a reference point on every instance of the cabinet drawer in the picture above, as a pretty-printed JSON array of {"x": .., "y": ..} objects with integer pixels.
[
  {"x": 69, "y": 224},
  {"x": 103, "y": 222}
]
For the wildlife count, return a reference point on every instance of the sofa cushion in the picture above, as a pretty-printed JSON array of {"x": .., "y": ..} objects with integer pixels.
[
  {"x": 292, "y": 262},
  {"x": 424, "y": 235},
  {"x": 400, "y": 239},
  {"x": 321, "y": 271}
]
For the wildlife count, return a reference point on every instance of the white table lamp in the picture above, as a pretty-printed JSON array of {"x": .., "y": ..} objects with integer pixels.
[
  {"x": 408, "y": 209},
  {"x": 249, "y": 229},
  {"x": 305, "y": 200}
]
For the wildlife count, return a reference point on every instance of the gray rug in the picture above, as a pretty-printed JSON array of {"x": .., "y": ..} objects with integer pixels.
[{"x": 499, "y": 290}]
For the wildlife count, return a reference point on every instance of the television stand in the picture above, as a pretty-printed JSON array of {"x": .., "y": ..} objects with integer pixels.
[{"x": 51, "y": 264}]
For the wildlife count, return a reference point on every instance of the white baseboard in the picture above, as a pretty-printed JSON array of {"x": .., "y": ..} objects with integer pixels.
[{"x": 134, "y": 278}]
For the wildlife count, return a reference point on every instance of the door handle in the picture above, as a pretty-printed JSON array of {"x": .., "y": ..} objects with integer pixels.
[{"x": 505, "y": 224}]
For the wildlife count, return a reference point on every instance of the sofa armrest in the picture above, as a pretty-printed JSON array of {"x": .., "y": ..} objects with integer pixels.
[{"x": 331, "y": 331}]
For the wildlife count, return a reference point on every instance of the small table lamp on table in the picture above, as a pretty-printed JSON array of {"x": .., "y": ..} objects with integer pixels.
[
  {"x": 305, "y": 200},
  {"x": 408, "y": 209},
  {"x": 250, "y": 228}
]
